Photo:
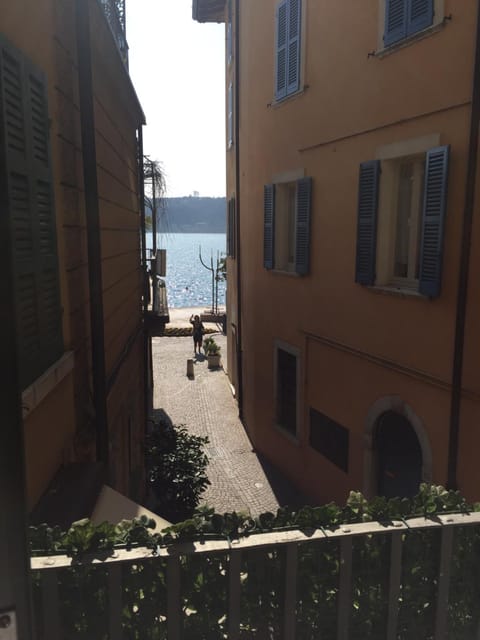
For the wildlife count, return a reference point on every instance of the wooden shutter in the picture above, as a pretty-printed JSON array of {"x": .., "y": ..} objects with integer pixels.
[
  {"x": 281, "y": 28},
  {"x": 268, "y": 226},
  {"x": 26, "y": 175},
  {"x": 395, "y": 21},
  {"x": 293, "y": 54},
  {"x": 367, "y": 222},
  {"x": 420, "y": 15},
  {"x": 302, "y": 240},
  {"x": 433, "y": 221}
]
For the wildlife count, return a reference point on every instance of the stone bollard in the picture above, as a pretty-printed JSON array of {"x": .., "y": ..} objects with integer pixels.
[{"x": 190, "y": 372}]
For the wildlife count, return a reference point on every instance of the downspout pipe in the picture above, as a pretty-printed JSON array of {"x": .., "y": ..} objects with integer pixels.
[
  {"x": 147, "y": 372},
  {"x": 462, "y": 291},
  {"x": 89, "y": 154},
  {"x": 239, "y": 344}
]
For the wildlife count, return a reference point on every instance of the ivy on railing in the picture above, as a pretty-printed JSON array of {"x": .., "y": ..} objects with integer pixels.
[{"x": 204, "y": 577}]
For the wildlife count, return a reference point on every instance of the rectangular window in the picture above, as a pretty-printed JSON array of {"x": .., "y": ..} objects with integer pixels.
[
  {"x": 286, "y": 390},
  {"x": 404, "y": 18},
  {"x": 288, "y": 20},
  {"x": 330, "y": 439},
  {"x": 27, "y": 193},
  {"x": 412, "y": 190},
  {"x": 287, "y": 208}
]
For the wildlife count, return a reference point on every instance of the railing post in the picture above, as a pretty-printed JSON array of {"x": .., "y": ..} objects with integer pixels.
[
  {"x": 115, "y": 601},
  {"x": 345, "y": 588},
  {"x": 291, "y": 591},
  {"x": 394, "y": 586},
  {"x": 444, "y": 583},
  {"x": 51, "y": 606},
  {"x": 234, "y": 588},
  {"x": 173, "y": 598}
]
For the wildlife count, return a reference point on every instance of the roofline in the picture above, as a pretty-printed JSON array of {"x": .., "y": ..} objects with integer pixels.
[{"x": 208, "y": 10}]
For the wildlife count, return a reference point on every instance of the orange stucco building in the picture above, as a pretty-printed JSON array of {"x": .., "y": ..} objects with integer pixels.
[
  {"x": 353, "y": 228},
  {"x": 69, "y": 186}
]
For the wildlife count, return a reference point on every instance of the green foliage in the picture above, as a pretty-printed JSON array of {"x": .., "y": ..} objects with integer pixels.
[
  {"x": 204, "y": 577},
  {"x": 211, "y": 347},
  {"x": 176, "y": 467}
]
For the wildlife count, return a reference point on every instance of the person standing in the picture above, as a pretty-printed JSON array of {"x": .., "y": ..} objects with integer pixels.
[{"x": 198, "y": 331}]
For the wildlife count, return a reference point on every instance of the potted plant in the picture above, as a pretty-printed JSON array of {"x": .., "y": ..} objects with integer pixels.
[{"x": 212, "y": 351}]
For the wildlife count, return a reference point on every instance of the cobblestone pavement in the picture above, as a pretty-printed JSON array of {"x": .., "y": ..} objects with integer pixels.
[{"x": 240, "y": 481}]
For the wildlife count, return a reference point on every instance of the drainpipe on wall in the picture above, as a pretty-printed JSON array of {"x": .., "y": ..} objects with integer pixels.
[
  {"x": 239, "y": 345},
  {"x": 457, "y": 370},
  {"x": 87, "y": 122},
  {"x": 147, "y": 372}
]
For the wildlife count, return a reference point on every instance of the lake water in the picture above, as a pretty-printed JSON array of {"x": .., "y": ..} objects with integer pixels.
[{"x": 189, "y": 284}]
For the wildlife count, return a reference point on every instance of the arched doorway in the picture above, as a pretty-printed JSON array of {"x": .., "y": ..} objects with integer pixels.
[{"x": 398, "y": 456}]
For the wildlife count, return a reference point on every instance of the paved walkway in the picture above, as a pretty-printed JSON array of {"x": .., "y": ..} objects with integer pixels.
[{"x": 240, "y": 481}]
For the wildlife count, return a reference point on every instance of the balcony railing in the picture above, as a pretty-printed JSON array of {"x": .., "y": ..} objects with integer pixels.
[
  {"x": 114, "y": 11},
  {"x": 415, "y": 578}
]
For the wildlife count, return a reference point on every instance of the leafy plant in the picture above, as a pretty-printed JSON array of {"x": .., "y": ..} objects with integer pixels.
[
  {"x": 204, "y": 578},
  {"x": 176, "y": 468},
  {"x": 211, "y": 347}
]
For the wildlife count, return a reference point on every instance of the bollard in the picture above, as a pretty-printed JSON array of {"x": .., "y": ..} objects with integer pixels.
[{"x": 190, "y": 372}]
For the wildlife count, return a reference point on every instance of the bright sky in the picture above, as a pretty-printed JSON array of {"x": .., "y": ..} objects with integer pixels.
[{"x": 178, "y": 69}]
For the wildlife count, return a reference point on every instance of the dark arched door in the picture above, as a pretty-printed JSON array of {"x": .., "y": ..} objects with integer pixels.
[{"x": 399, "y": 456}]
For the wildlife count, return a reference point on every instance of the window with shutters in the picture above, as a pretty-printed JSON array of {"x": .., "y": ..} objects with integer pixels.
[
  {"x": 26, "y": 192},
  {"x": 288, "y": 34},
  {"x": 401, "y": 216},
  {"x": 404, "y": 19},
  {"x": 287, "y": 226},
  {"x": 287, "y": 363}
]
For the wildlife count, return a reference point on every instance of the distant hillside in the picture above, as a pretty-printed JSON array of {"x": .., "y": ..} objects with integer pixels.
[{"x": 193, "y": 215}]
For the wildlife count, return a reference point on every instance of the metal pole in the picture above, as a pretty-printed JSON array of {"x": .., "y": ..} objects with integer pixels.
[
  {"x": 154, "y": 211},
  {"x": 462, "y": 291}
]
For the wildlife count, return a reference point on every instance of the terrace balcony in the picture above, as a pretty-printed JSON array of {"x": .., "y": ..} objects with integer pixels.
[
  {"x": 114, "y": 11},
  {"x": 415, "y": 578}
]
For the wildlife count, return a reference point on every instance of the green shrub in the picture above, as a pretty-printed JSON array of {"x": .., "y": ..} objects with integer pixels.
[{"x": 176, "y": 468}]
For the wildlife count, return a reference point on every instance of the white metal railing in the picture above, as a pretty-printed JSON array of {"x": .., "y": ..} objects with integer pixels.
[{"x": 288, "y": 541}]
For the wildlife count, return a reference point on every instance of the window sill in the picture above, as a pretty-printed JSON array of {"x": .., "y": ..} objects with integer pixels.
[
  {"x": 291, "y": 96},
  {"x": 287, "y": 434},
  {"x": 396, "y": 291},
  {"x": 406, "y": 42},
  {"x": 46, "y": 383},
  {"x": 280, "y": 272}
]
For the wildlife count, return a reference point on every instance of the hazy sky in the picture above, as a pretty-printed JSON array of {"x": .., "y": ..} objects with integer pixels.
[{"x": 177, "y": 66}]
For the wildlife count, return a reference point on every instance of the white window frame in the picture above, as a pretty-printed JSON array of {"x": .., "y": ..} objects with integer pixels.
[{"x": 391, "y": 157}]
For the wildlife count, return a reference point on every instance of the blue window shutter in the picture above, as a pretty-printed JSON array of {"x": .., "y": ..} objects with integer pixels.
[
  {"x": 268, "y": 226},
  {"x": 395, "y": 21},
  {"x": 420, "y": 15},
  {"x": 302, "y": 240},
  {"x": 281, "y": 22},
  {"x": 293, "y": 53},
  {"x": 433, "y": 221},
  {"x": 367, "y": 222}
]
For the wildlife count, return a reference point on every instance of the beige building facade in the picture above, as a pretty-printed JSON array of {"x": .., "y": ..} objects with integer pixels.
[{"x": 353, "y": 239}]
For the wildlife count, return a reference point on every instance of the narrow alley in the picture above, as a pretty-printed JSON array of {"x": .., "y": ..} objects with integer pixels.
[{"x": 240, "y": 480}]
